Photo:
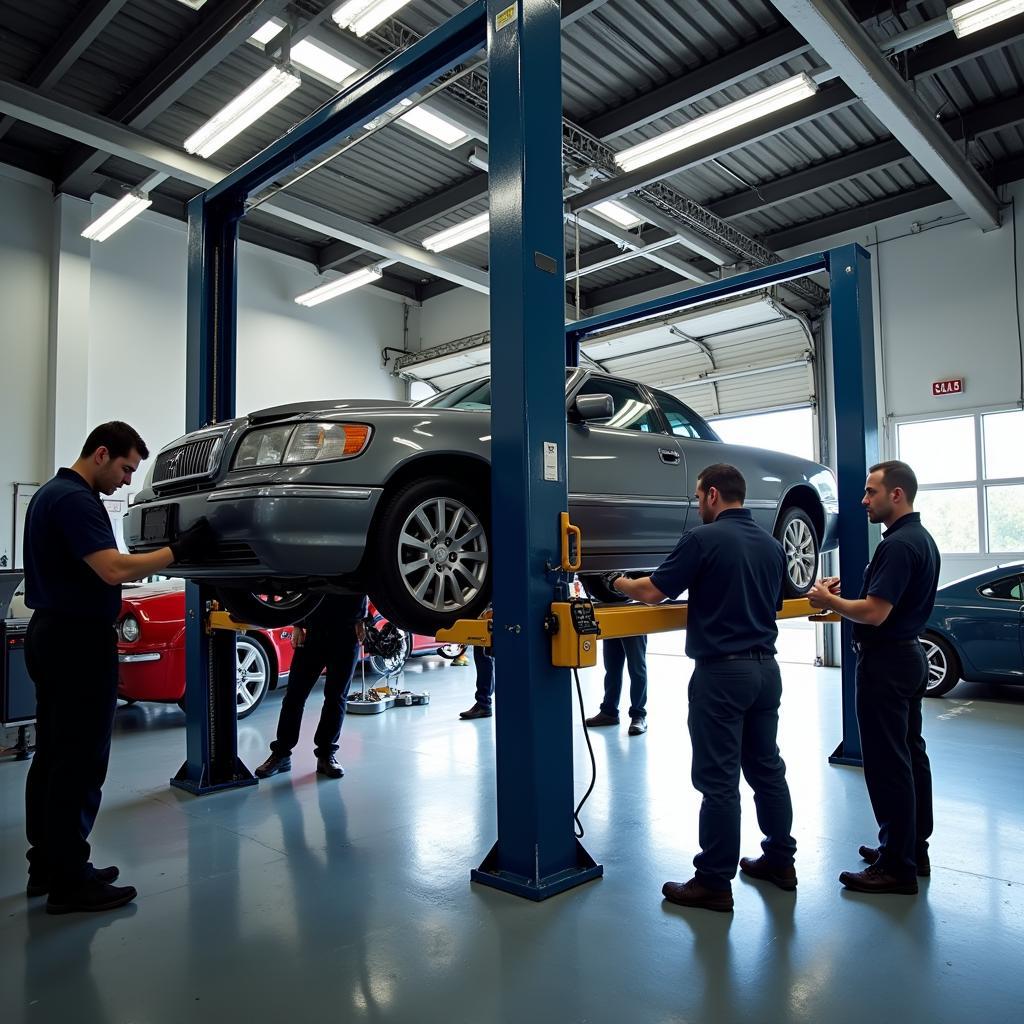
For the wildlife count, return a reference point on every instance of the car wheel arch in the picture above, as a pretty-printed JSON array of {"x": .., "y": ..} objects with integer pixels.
[{"x": 804, "y": 497}]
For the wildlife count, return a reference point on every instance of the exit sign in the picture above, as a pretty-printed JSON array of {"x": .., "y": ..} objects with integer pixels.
[{"x": 948, "y": 387}]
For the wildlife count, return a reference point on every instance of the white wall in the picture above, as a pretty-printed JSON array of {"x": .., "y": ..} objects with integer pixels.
[
  {"x": 455, "y": 314},
  {"x": 136, "y": 368},
  {"x": 25, "y": 235}
]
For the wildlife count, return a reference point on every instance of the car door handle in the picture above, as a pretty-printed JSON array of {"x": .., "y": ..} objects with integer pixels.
[{"x": 668, "y": 456}]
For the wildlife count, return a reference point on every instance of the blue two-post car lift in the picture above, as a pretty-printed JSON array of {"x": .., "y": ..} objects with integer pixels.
[{"x": 537, "y": 853}]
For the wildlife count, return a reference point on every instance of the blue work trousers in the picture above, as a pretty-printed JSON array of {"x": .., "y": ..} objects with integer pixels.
[
  {"x": 631, "y": 651},
  {"x": 733, "y": 722}
]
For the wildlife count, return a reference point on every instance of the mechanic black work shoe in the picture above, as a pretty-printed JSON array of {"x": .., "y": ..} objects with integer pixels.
[
  {"x": 601, "y": 719},
  {"x": 329, "y": 766},
  {"x": 476, "y": 711},
  {"x": 638, "y": 726},
  {"x": 274, "y": 765},
  {"x": 39, "y": 885},
  {"x": 876, "y": 880},
  {"x": 924, "y": 865},
  {"x": 693, "y": 894},
  {"x": 89, "y": 897},
  {"x": 760, "y": 867}
]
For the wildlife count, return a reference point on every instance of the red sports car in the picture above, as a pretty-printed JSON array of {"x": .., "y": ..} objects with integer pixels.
[{"x": 151, "y": 650}]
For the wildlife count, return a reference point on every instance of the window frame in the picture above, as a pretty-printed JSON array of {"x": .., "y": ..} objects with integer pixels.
[
  {"x": 1002, "y": 579},
  {"x": 981, "y": 481}
]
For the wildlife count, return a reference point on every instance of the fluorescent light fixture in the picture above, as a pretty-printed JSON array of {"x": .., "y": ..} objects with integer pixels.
[
  {"x": 732, "y": 115},
  {"x": 362, "y": 15},
  {"x": 978, "y": 14},
  {"x": 344, "y": 284},
  {"x": 618, "y": 214},
  {"x": 436, "y": 127},
  {"x": 477, "y": 225},
  {"x": 478, "y": 158},
  {"x": 266, "y": 92},
  {"x": 125, "y": 209},
  {"x": 194, "y": 4}
]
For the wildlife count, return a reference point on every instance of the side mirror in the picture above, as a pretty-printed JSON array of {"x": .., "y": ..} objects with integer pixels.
[{"x": 594, "y": 407}]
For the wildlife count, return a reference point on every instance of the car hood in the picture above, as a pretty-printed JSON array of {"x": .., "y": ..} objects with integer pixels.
[
  {"x": 151, "y": 591},
  {"x": 329, "y": 408}
]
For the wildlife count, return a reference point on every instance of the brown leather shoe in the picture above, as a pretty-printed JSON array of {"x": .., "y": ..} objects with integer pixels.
[
  {"x": 760, "y": 867},
  {"x": 924, "y": 865},
  {"x": 878, "y": 881},
  {"x": 601, "y": 719},
  {"x": 476, "y": 711},
  {"x": 693, "y": 894}
]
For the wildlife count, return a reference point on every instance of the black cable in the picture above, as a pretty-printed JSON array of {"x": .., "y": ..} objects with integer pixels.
[{"x": 593, "y": 763}]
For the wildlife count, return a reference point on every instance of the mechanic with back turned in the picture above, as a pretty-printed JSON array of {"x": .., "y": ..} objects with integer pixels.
[
  {"x": 734, "y": 573},
  {"x": 328, "y": 638},
  {"x": 73, "y": 577},
  {"x": 896, "y": 599}
]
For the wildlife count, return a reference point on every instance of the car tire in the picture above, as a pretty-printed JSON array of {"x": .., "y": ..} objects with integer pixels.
[
  {"x": 251, "y": 657},
  {"x": 254, "y": 674},
  {"x": 424, "y": 584},
  {"x": 271, "y": 612},
  {"x": 943, "y": 665},
  {"x": 796, "y": 533}
]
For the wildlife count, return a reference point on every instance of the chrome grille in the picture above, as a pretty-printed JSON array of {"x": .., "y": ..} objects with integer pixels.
[{"x": 187, "y": 460}]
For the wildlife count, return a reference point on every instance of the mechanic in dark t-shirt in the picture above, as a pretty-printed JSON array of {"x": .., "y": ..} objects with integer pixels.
[
  {"x": 73, "y": 577},
  {"x": 896, "y": 598},
  {"x": 733, "y": 572}
]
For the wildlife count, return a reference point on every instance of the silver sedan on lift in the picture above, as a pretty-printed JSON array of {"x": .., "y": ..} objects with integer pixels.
[{"x": 392, "y": 498}]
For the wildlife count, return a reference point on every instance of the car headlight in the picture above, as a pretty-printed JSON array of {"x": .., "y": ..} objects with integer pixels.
[
  {"x": 263, "y": 447},
  {"x": 128, "y": 627},
  {"x": 324, "y": 442}
]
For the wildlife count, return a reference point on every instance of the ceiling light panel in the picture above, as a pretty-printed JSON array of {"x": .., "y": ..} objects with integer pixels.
[
  {"x": 125, "y": 209},
  {"x": 458, "y": 234},
  {"x": 340, "y": 286},
  {"x": 978, "y": 14},
  {"x": 617, "y": 214}
]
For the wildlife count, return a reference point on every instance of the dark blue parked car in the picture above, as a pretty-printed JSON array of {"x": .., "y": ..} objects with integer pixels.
[{"x": 976, "y": 631}]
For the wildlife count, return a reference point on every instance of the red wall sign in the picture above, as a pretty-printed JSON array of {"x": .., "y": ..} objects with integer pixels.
[{"x": 948, "y": 387}]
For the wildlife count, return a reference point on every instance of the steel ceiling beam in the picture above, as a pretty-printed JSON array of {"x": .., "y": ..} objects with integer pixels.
[
  {"x": 750, "y": 59},
  {"x": 573, "y": 10},
  {"x": 868, "y": 213},
  {"x": 992, "y": 117},
  {"x": 117, "y": 140},
  {"x": 222, "y": 28},
  {"x": 90, "y": 21},
  {"x": 838, "y": 38}
]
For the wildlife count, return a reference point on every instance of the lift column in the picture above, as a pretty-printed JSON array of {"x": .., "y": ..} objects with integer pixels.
[{"x": 537, "y": 853}]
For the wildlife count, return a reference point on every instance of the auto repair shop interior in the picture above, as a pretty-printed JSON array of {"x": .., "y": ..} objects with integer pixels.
[{"x": 275, "y": 237}]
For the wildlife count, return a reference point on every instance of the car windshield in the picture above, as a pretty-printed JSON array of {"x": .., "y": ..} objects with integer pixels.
[{"x": 474, "y": 395}]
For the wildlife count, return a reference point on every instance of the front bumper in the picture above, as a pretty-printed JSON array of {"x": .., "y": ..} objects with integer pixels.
[{"x": 279, "y": 530}]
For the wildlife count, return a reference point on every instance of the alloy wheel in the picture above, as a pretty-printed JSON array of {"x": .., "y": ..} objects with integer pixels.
[
  {"x": 250, "y": 675},
  {"x": 801, "y": 556}
]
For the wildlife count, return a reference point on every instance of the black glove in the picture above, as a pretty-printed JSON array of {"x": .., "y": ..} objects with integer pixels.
[
  {"x": 609, "y": 579},
  {"x": 195, "y": 544}
]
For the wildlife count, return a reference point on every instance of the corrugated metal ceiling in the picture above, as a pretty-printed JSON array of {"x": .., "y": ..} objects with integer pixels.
[{"x": 621, "y": 50}]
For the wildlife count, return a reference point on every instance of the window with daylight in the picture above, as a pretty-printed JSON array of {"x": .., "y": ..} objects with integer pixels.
[{"x": 970, "y": 470}]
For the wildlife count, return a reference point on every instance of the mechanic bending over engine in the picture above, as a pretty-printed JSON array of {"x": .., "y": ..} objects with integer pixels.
[
  {"x": 73, "y": 577},
  {"x": 328, "y": 638}
]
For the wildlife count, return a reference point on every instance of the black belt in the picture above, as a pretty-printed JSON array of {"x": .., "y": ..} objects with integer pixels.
[
  {"x": 742, "y": 656},
  {"x": 860, "y": 646}
]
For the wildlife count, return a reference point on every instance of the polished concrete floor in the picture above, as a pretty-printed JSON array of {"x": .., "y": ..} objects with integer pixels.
[{"x": 307, "y": 900}]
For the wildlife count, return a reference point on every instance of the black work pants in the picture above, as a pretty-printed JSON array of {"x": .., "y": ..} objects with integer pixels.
[
  {"x": 336, "y": 649},
  {"x": 73, "y": 663},
  {"x": 733, "y": 721},
  {"x": 483, "y": 660},
  {"x": 891, "y": 681},
  {"x": 631, "y": 650}
]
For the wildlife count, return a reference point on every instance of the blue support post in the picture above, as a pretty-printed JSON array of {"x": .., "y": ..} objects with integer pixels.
[
  {"x": 211, "y": 728},
  {"x": 537, "y": 854},
  {"x": 856, "y": 412}
]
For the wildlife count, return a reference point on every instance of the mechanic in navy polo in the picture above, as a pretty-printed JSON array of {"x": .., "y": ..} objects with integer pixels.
[
  {"x": 73, "y": 577},
  {"x": 734, "y": 574},
  {"x": 896, "y": 598}
]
